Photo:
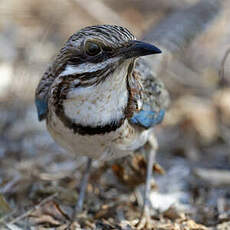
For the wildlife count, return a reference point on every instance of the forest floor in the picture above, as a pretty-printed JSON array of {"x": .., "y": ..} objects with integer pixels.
[{"x": 39, "y": 182}]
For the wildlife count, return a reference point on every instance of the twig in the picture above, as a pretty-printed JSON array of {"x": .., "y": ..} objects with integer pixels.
[
  {"x": 222, "y": 81},
  {"x": 2, "y": 220},
  {"x": 33, "y": 209},
  {"x": 8, "y": 187},
  {"x": 213, "y": 177},
  {"x": 12, "y": 227}
]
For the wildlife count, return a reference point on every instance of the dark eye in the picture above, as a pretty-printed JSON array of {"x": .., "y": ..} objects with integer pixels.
[{"x": 92, "y": 48}]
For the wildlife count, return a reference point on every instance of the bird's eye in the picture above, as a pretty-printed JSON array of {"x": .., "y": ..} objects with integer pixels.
[{"x": 92, "y": 48}]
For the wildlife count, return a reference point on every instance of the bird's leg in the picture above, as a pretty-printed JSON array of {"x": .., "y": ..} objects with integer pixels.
[
  {"x": 152, "y": 146},
  {"x": 83, "y": 185}
]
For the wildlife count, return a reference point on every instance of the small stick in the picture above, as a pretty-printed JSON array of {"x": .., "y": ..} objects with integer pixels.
[
  {"x": 222, "y": 65},
  {"x": 34, "y": 208}
]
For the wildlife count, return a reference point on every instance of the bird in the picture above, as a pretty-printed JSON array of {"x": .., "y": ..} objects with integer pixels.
[{"x": 99, "y": 101}]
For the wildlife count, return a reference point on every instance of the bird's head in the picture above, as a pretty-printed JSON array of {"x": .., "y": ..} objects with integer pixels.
[{"x": 94, "y": 52}]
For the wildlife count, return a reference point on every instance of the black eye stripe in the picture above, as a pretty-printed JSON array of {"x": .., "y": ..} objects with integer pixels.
[{"x": 107, "y": 49}]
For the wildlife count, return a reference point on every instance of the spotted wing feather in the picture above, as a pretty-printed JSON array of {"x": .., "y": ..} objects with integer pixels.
[{"x": 153, "y": 97}]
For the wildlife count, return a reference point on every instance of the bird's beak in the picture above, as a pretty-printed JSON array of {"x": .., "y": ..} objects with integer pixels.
[{"x": 139, "y": 48}]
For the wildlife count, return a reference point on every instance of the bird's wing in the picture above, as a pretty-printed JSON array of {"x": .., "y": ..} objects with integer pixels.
[
  {"x": 41, "y": 94},
  {"x": 152, "y": 97},
  {"x": 43, "y": 89}
]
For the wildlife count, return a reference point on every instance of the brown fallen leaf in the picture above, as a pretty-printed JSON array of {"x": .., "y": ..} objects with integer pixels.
[
  {"x": 50, "y": 214},
  {"x": 158, "y": 169},
  {"x": 172, "y": 213},
  {"x": 131, "y": 170},
  {"x": 192, "y": 225}
]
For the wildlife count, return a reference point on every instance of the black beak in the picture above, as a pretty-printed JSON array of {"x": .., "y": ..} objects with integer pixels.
[{"x": 139, "y": 48}]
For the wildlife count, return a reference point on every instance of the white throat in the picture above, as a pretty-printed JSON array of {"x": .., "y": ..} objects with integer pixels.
[{"x": 100, "y": 104}]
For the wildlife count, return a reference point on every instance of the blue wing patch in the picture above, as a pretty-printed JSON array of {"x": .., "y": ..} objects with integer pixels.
[
  {"x": 42, "y": 108},
  {"x": 148, "y": 118}
]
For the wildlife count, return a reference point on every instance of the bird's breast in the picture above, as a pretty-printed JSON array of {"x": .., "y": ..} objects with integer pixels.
[
  {"x": 100, "y": 104},
  {"x": 95, "y": 107}
]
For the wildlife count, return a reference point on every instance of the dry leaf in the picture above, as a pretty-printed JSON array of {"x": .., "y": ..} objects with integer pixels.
[{"x": 50, "y": 214}]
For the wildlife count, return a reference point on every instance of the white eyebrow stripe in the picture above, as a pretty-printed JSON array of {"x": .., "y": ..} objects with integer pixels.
[{"x": 86, "y": 67}]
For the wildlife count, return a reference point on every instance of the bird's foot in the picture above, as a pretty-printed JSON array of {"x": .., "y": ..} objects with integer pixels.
[{"x": 145, "y": 221}]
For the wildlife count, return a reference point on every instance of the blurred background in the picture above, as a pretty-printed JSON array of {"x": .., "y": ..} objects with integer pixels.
[{"x": 194, "y": 139}]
